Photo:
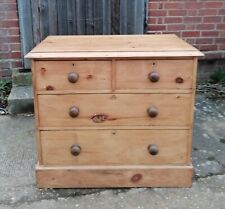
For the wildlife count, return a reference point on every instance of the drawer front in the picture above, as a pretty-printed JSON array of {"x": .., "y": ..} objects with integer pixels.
[
  {"x": 154, "y": 74},
  {"x": 114, "y": 109},
  {"x": 121, "y": 147},
  {"x": 73, "y": 75}
]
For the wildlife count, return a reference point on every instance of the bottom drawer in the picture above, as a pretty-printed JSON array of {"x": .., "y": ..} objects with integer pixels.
[{"x": 114, "y": 147}]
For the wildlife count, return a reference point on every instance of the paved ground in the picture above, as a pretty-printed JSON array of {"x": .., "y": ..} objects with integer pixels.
[{"x": 18, "y": 157}]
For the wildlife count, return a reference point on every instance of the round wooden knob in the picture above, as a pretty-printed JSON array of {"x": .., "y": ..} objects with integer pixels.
[
  {"x": 153, "y": 149},
  {"x": 152, "y": 112},
  {"x": 73, "y": 77},
  {"x": 75, "y": 149},
  {"x": 153, "y": 76},
  {"x": 74, "y": 111}
]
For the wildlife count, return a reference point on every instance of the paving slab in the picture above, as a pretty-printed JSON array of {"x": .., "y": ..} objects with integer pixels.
[{"x": 18, "y": 159}]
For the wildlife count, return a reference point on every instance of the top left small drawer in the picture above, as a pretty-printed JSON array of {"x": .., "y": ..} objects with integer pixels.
[{"x": 73, "y": 75}]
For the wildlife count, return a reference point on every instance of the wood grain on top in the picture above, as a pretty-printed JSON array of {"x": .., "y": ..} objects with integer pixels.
[{"x": 113, "y": 46}]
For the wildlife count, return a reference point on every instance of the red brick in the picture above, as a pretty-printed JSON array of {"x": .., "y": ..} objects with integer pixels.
[
  {"x": 192, "y": 19},
  {"x": 221, "y": 33},
  {"x": 2, "y": 16},
  {"x": 16, "y": 64},
  {"x": 16, "y": 55},
  {"x": 214, "y": 56},
  {"x": 220, "y": 40},
  {"x": 210, "y": 33},
  {"x": 193, "y": 5},
  {"x": 8, "y": 1},
  {"x": 13, "y": 31},
  {"x": 153, "y": 5},
  {"x": 212, "y": 19},
  {"x": 190, "y": 26},
  {"x": 220, "y": 26},
  {"x": 221, "y": 47},
  {"x": 5, "y": 55},
  {"x": 204, "y": 41},
  {"x": 214, "y": 4},
  {"x": 192, "y": 12},
  {"x": 11, "y": 15},
  {"x": 177, "y": 12},
  {"x": 4, "y": 47},
  {"x": 9, "y": 23},
  {"x": 207, "y": 47},
  {"x": 190, "y": 34},
  {"x": 206, "y": 27},
  {"x": 15, "y": 47},
  {"x": 173, "y": 20},
  {"x": 8, "y": 7},
  {"x": 152, "y": 20},
  {"x": 173, "y": 5},
  {"x": 156, "y": 27},
  {"x": 159, "y": 20},
  {"x": 207, "y": 12},
  {"x": 176, "y": 27},
  {"x": 3, "y": 32},
  {"x": 158, "y": 13},
  {"x": 221, "y": 11}
]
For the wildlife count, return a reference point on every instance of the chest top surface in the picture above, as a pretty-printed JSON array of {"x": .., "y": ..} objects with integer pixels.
[{"x": 63, "y": 47}]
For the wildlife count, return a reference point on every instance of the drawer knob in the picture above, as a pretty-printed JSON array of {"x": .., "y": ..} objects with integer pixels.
[
  {"x": 75, "y": 149},
  {"x": 153, "y": 76},
  {"x": 73, "y": 77},
  {"x": 74, "y": 111},
  {"x": 153, "y": 149},
  {"x": 152, "y": 112}
]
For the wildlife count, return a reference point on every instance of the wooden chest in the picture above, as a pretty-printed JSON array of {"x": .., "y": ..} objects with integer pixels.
[{"x": 114, "y": 111}]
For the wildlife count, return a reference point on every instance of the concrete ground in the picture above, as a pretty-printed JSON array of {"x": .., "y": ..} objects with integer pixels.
[{"x": 18, "y": 158}]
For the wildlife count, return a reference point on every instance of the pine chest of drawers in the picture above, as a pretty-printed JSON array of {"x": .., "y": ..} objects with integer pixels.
[{"x": 114, "y": 111}]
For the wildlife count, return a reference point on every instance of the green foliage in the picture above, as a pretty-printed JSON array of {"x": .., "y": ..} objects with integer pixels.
[
  {"x": 5, "y": 88},
  {"x": 218, "y": 76}
]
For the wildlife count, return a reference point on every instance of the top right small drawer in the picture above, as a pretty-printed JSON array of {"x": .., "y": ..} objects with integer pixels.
[{"x": 154, "y": 74}]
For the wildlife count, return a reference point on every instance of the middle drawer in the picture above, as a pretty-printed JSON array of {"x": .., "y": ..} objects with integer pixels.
[{"x": 114, "y": 109}]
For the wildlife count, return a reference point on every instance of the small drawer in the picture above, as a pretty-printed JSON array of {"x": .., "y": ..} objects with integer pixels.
[
  {"x": 114, "y": 147},
  {"x": 73, "y": 75},
  {"x": 154, "y": 74},
  {"x": 114, "y": 109}
]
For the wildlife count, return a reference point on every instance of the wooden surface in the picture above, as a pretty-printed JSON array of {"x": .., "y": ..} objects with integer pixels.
[
  {"x": 114, "y": 147},
  {"x": 113, "y": 46},
  {"x": 93, "y": 75},
  {"x": 114, "y": 176},
  {"x": 121, "y": 109},
  {"x": 133, "y": 74}
]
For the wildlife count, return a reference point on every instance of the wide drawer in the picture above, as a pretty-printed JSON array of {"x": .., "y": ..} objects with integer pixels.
[
  {"x": 154, "y": 74},
  {"x": 114, "y": 147},
  {"x": 73, "y": 75},
  {"x": 114, "y": 109}
]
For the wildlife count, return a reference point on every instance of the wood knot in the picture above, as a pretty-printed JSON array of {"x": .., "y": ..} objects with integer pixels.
[
  {"x": 99, "y": 118},
  {"x": 43, "y": 70},
  {"x": 89, "y": 76},
  {"x": 49, "y": 88},
  {"x": 137, "y": 177}
]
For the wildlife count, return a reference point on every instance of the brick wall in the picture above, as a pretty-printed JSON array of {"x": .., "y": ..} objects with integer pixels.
[
  {"x": 199, "y": 22},
  {"x": 10, "y": 54}
]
